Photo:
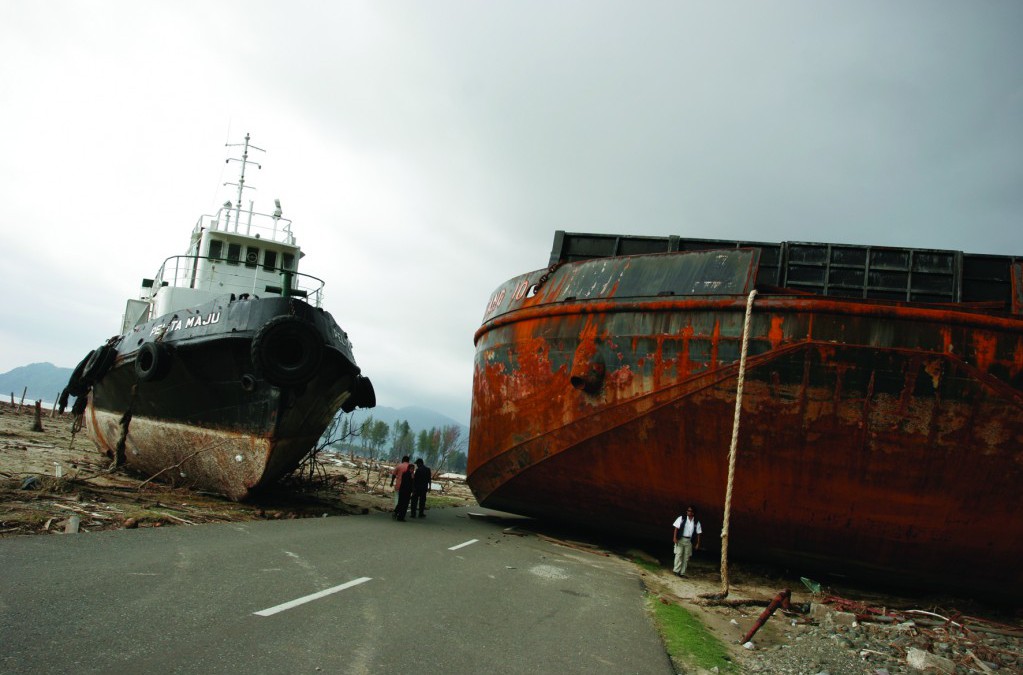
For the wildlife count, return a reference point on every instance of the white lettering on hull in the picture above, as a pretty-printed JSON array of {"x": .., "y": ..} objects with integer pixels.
[{"x": 192, "y": 322}]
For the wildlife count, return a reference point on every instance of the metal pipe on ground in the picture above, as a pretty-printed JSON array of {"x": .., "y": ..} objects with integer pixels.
[{"x": 780, "y": 600}]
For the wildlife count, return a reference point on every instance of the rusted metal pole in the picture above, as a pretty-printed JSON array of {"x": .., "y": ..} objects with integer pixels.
[
  {"x": 735, "y": 440},
  {"x": 780, "y": 600}
]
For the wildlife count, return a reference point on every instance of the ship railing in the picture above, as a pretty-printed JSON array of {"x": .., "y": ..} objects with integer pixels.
[
  {"x": 248, "y": 223},
  {"x": 202, "y": 272},
  {"x": 932, "y": 276}
]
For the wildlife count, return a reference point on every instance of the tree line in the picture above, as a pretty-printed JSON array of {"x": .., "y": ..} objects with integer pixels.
[{"x": 442, "y": 449}]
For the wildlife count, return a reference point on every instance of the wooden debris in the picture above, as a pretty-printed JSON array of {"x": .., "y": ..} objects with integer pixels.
[{"x": 38, "y": 424}]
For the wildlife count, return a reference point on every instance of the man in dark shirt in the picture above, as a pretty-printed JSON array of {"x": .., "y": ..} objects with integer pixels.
[{"x": 421, "y": 481}]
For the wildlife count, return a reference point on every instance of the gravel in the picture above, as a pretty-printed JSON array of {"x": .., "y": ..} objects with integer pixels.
[{"x": 827, "y": 646}]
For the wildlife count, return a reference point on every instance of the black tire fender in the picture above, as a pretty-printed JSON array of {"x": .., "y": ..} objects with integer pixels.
[
  {"x": 152, "y": 361},
  {"x": 75, "y": 386},
  {"x": 365, "y": 396},
  {"x": 362, "y": 395},
  {"x": 287, "y": 351},
  {"x": 98, "y": 364}
]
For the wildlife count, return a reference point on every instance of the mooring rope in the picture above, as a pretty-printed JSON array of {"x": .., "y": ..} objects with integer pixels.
[{"x": 735, "y": 441}]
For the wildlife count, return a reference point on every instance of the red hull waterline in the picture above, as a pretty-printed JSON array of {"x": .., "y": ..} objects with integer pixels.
[{"x": 881, "y": 439}]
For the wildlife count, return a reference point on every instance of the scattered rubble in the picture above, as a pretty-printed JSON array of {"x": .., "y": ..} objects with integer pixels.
[
  {"x": 55, "y": 481},
  {"x": 817, "y": 633},
  {"x": 829, "y": 639}
]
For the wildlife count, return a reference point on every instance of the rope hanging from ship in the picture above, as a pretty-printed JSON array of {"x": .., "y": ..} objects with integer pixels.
[
  {"x": 734, "y": 444},
  {"x": 152, "y": 361}
]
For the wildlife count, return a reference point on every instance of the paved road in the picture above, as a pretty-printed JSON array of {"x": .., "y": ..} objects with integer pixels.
[{"x": 359, "y": 594}]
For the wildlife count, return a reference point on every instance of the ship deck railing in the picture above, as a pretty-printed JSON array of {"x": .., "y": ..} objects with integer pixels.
[
  {"x": 201, "y": 272},
  {"x": 248, "y": 224},
  {"x": 837, "y": 270}
]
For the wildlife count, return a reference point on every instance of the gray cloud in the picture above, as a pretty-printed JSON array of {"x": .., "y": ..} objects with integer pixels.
[{"x": 427, "y": 151}]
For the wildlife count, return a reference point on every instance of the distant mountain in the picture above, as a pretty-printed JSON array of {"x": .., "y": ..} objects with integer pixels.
[{"x": 45, "y": 381}]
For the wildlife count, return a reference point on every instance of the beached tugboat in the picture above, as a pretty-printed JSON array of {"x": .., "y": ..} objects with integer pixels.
[
  {"x": 880, "y": 429},
  {"x": 227, "y": 370}
]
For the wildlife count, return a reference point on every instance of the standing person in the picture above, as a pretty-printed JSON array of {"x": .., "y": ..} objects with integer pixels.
[
  {"x": 687, "y": 531},
  {"x": 396, "y": 473},
  {"x": 422, "y": 486},
  {"x": 405, "y": 487}
]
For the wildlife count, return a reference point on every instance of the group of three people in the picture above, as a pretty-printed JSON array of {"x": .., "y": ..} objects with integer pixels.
[{"x": 411, "y": 483}]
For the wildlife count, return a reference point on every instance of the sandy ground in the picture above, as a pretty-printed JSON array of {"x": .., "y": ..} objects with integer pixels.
[{"x": 52, "y": 481}]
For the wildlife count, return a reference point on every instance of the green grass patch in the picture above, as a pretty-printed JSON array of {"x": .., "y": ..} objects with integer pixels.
[
  {"x": 686, "y": 638},
  {"x": 649, "y": 565}
]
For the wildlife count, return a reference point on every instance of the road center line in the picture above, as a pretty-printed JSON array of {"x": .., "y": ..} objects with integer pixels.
[
  {"x": 463, "y": 544},
  {"x": 310, "y": 598}
]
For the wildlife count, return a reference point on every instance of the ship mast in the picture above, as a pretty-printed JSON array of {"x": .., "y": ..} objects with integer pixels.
[{"x": 241, "y": 180}]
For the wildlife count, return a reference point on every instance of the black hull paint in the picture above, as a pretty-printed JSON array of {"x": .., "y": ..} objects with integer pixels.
[{"x": 206, "y": 415}]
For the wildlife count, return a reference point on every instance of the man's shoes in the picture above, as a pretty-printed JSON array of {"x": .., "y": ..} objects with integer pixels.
[{"x": 678, "y": 574}]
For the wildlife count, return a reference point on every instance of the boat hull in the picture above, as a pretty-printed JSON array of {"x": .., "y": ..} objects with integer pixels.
[
  {"x": 875, "y": 439},
  {"x": 227, "y": 397}
]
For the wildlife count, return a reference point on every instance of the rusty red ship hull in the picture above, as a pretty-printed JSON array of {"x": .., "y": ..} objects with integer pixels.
[{"x": 880, "y": 436}]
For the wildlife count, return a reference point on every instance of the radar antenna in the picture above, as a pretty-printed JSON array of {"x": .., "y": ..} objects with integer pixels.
[{"x": 245, "y": 161}]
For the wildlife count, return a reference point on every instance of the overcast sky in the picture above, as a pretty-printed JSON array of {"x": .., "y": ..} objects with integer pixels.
[{"x": 427, "y": 151}]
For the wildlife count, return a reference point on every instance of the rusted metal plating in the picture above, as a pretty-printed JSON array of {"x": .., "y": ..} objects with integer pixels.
[{"x": 877, "y": 437}]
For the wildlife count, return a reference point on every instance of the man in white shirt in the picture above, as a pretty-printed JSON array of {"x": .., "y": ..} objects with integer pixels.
[{"x": 687, "y": 531}]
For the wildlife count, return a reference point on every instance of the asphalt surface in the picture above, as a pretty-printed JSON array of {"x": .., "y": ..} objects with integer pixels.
[{"x": 359, "y": 594}]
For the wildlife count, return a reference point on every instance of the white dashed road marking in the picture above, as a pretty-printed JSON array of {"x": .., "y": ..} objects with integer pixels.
[
  {"x": 463, "y": 544},
  {"x": 310, "y": 598}
]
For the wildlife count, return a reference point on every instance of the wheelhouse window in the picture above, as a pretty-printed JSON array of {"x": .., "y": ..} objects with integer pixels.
[
  {"x": 288, "y": 261},
  {"x": 251, "y": 256},
  {"x": 216, "y": 249},
  {"x": 234, "y": 253},
  {"x": 269, "y": 260}
]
